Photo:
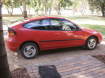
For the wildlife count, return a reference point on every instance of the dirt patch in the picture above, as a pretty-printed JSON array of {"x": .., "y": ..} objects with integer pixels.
[{"x": 100, "y": 57}]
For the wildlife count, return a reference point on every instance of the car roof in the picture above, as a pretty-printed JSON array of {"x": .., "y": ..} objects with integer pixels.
[
  {"x": 39, "y": 18},
  {"x": 44, "y": 17}
]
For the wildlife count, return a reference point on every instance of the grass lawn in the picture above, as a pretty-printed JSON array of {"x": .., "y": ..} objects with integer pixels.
[{"x": 88, "y": 17}]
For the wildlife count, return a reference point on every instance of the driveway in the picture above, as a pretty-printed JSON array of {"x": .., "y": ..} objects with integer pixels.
[{"x": 16, "y": 61}]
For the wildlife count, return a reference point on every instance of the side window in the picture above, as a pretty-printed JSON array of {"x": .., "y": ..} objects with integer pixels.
[
  {"x": 55, "y": 24},
  {"x": 32, "y": 24},
  {"x": 68, "y": 26},
  {"x": 40, "y": 25},
  {"x": 45, "y": 22}
]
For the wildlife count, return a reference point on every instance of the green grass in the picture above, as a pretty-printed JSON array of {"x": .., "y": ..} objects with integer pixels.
[
  {"x": 98, "y": 28},
  {"x": 87, "y": 17}
]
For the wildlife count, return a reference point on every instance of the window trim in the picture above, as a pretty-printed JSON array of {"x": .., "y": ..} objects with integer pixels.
[{"x": 50, "y": 24}]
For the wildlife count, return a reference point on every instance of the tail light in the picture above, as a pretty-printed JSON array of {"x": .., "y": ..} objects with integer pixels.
[{"x": 11, "y": 32}]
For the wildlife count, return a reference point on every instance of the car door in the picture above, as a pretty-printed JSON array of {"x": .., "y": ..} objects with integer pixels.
[
  {"x": 73, "y": 33},
  {"x": 52, "y": 36},
  {"x": 59, "y": 33}
]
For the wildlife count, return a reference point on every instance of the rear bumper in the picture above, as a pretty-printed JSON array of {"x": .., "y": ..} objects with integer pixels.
[{"x": 12, "y": 45}]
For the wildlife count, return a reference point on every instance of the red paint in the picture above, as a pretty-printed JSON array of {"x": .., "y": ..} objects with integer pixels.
[{"x": 49, "y": 39}]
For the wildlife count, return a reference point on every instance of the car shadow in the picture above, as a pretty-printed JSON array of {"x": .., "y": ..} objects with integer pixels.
[
  {"x": 65, "y": 50},
  {"x": 60, "y": 50}
]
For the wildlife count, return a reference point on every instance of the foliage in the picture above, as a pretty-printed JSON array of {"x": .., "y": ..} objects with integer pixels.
[
  {"x": 37, "y": 5},
  {"x": 98, "y": 5},
  {"x": 65, "y": 3}
]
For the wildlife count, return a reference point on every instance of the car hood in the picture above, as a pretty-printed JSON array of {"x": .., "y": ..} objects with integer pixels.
[{"x": 89, "y": 30}]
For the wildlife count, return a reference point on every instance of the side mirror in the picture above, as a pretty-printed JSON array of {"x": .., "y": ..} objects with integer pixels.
[{"x": 78, "y": 29}]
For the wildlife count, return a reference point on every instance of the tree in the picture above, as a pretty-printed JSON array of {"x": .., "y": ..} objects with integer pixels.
[
  {"x": 36, "y": 5},
  {"x": 4, "y": 67},
  {"x": 63, "y": 4},
  {"x": 98, "y": 5},
  {"x": 47, "y": 6},
  {"x": 43, "y": 6},
  {"x": 24, "y": 9},
  {"x": 9, "y": 6},
  {"x": 80, "y": 6},
  {"x": 18, "y": 4}
]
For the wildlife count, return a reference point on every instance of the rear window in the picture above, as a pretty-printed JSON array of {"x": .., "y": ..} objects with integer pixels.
[
  {"x": 38, "y": 24},
  {"x": 32, "y": 24}
]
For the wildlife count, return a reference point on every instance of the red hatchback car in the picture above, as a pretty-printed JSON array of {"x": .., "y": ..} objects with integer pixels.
[{"x": 44, "y": 33}]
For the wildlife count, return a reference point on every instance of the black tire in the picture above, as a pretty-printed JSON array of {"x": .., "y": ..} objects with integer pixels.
[
  {"x": 90, "y": 47},
  {"x": 31, "y": 53}
]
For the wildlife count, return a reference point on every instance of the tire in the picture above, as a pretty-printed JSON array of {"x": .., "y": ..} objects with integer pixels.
[
  {"x": 29, "y": 50},
  {"x": 91, "y": 43}
]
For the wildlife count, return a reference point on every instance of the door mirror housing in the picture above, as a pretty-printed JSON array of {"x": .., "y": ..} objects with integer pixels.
[{"x": 78, "y": 29}]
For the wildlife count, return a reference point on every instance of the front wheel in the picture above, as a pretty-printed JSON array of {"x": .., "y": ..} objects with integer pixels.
[
  {"x": 29, "y": 50},
  {"x": 91, "y": 43}
]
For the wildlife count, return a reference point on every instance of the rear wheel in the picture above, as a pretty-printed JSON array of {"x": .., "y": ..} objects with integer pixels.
[
  {"x": 91, "y": 43},
  {"x": 29, "y": 50}
]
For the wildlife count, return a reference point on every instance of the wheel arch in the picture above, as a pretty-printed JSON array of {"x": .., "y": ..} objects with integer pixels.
[
  {"x": 29, "y": 42},
  {"x": 93, "y": 36}
]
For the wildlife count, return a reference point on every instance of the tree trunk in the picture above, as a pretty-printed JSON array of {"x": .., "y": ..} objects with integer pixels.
[
  {"x": 21, "y": 10},
  {"x": 36, "y": 11},
  {"x": 4, "y": 67},
  {"x": 45, "y": 7},
  {"x": 50, "y": 10},
  {"x": 24, "y": 10},
  {"x": 59, "y": 10},
  {"x": 29, "y": 11},
  {"x": 9, "y": 11},
  {"x": 103, "y": 10},
  {"x": 103, "y": 13},
  {"x": 45, "y": 10}
]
